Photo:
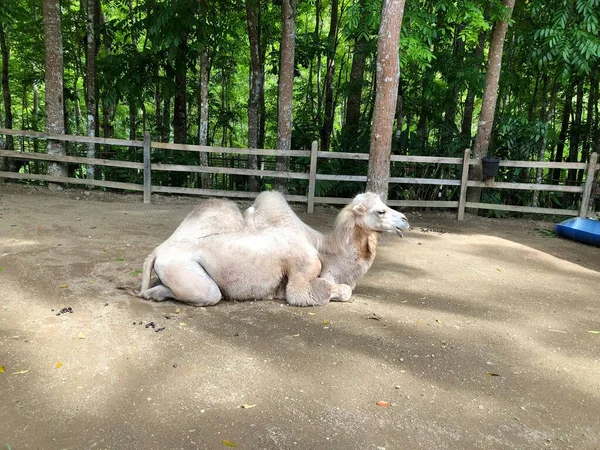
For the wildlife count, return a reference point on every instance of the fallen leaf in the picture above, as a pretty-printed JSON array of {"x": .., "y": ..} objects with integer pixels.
[
  {"x": 382, "y": 403},
  {"x": 491, "y": 374},
  {"x": 177, "y": 311},
  {"x": 438, "y": 320},
  {"x": 557, "y": 331},
  {"x": 119, "y": 259},
  {"x": 1, "y": 369},
  {"x": 312, "y": 314},
  {"x": 374, "y": 316},
  {"x": 64, "y": 286},
  {"x": 227, "y": 443},
  {"x": 81, "y": 336},
  {"x": 418, "y": 243},
  {"x": 1, "y": 269},
  {"x": 594, "y": 331},
  {"x": 58, "y": 365},
  {"x": 498, "y": 269},
  {"x": 21, "y": 372},
  {"x": 296, "y": 335},
  {"x": 246, "y": 406},
  {"x": 326, "y": 323},
  {"x": 182, "y": 324}
]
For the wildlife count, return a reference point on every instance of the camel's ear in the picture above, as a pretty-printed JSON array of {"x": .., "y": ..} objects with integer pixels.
[{"x": 360, "y": 209}]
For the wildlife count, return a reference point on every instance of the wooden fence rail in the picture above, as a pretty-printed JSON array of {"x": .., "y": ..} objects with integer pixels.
[{"x": 587, "y": 191}]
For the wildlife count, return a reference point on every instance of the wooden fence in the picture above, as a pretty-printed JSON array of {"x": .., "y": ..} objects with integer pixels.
[{"x": 586, "y": 191}]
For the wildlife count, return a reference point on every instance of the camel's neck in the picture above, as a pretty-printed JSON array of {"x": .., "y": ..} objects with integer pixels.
[{"x": 348, "y": 252}]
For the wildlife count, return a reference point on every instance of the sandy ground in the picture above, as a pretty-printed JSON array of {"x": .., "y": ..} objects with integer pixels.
[{"x": 478, "y": 334}]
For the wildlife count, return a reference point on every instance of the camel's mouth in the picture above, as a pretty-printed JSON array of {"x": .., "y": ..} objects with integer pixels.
[{"x": 399, "y": 232}]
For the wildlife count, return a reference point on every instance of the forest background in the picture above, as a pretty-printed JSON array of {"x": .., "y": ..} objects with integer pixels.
[{"x": 210, "y": 72}]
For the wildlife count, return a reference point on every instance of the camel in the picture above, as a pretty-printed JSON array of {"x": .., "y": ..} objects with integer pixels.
[{"x": 267, "y": 252}]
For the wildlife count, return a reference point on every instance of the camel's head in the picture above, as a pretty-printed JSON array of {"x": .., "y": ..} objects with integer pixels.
[{"x": 373, "y": 215}]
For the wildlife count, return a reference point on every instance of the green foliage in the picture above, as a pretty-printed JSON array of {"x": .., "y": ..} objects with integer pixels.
[{"x": 443, "y": 52}]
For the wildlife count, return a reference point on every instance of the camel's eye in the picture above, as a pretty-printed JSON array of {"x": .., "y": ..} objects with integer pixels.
[{"x": 381, "y": 213}]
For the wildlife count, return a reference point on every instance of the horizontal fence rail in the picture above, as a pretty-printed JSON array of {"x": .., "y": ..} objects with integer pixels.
[{"x": 586, "y": 191}]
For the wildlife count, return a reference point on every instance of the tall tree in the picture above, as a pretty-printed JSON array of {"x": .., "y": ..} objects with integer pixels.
[
  {"x": 203, "y": 116},
  {"x": 180, "y": 104},
  {"x": 355, "y": 84},
  {"x": 388, "y": 74},
  {"x": 5, "y": 93},
  {"x": 490, "y": 95},
  {"x": 286, "y": 86},
  {"x": 6, "y": 96},
  {"x": 327, "y": 127},
  {"x": 55, "y": 121},
  {"x": 257, "y": 84},
  {"x": 90, "y": 80}
]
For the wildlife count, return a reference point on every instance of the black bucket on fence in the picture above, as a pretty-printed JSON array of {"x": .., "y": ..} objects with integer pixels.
[{"x": 490, "y": 165}]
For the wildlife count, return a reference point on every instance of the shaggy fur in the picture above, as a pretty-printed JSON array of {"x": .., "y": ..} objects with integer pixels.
[{"x": 269, "y": 252}]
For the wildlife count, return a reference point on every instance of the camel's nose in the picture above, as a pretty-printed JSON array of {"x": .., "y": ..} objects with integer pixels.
[{"x": 402, "y": 222}]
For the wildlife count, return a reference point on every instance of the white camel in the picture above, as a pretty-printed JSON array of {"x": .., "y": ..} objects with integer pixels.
[{"x": 268, "y": 252}]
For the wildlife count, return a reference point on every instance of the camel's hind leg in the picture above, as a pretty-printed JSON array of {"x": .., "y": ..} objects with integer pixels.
[{"x": 186, "y": 281}]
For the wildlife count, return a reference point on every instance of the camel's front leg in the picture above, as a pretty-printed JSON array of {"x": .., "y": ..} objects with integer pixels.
[{"x": 340, "y": 293}]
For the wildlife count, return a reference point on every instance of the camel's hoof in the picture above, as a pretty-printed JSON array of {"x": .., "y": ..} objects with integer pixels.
[{"x": 343, "y": 292}]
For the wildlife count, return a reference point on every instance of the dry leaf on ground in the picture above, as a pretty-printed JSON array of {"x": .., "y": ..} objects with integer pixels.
[
  {"x": 383, "y": 403},
  {"x": 227, "y": 443}
]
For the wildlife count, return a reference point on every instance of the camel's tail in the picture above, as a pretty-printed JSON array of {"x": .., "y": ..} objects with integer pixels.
[{"x": 147, "y": 272}]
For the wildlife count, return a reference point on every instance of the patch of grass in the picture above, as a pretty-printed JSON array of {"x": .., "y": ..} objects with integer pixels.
[
  {"x": 546, "y": 232},
  {"x": 135, "y": 273},
  {"x": 119, "y": 259}
]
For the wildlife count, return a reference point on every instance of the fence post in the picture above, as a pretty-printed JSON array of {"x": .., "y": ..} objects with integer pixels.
[
  {"x": 589, "y": 183},
  {"x": 312, "y": 177},
  {"x": 463, "y": 185},
  {"x": 147, "y": 171}
]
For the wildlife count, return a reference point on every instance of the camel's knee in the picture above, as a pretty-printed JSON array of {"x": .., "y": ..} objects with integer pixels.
[{"x": 210, "y": 295}]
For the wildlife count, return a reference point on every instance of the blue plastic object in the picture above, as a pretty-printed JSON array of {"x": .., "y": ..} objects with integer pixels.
[{"x": 586, "y": 231}]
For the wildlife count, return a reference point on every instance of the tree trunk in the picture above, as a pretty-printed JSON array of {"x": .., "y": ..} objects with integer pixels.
[
  {"x": 589, "y": 129},
  {"x": 257, "y": 79},
  {"x": 467, "y": 122},
  {"x": 180, "y": 105},
  {"x": 399, "y": 113},
  {"x": 545, "y": 117},
  {"x": 449, "y": 129},
  {"x": 54, "y": 85},
  {"x": 90, "y": 101},
  {"x": 562, "y": 137},
  {"x": 166, "y": 119},
  {"x": 388, "y": 74},
  {"x": 575, "y": 132},
  {"x": 490, "y": 95},
  {"x": 315, "y": 47},
  {"x": 133, "y": 109},
  {"x": 355, "y": 84},
  {"x": 286, "y": 87},
  {"x": 327, "y": 128},
  {"x": 203, "y": 128},
  {"x": 8, "y": 123}
]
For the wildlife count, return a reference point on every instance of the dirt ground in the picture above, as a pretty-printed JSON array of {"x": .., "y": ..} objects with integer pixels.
[{"x": 481, "y": 334}]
